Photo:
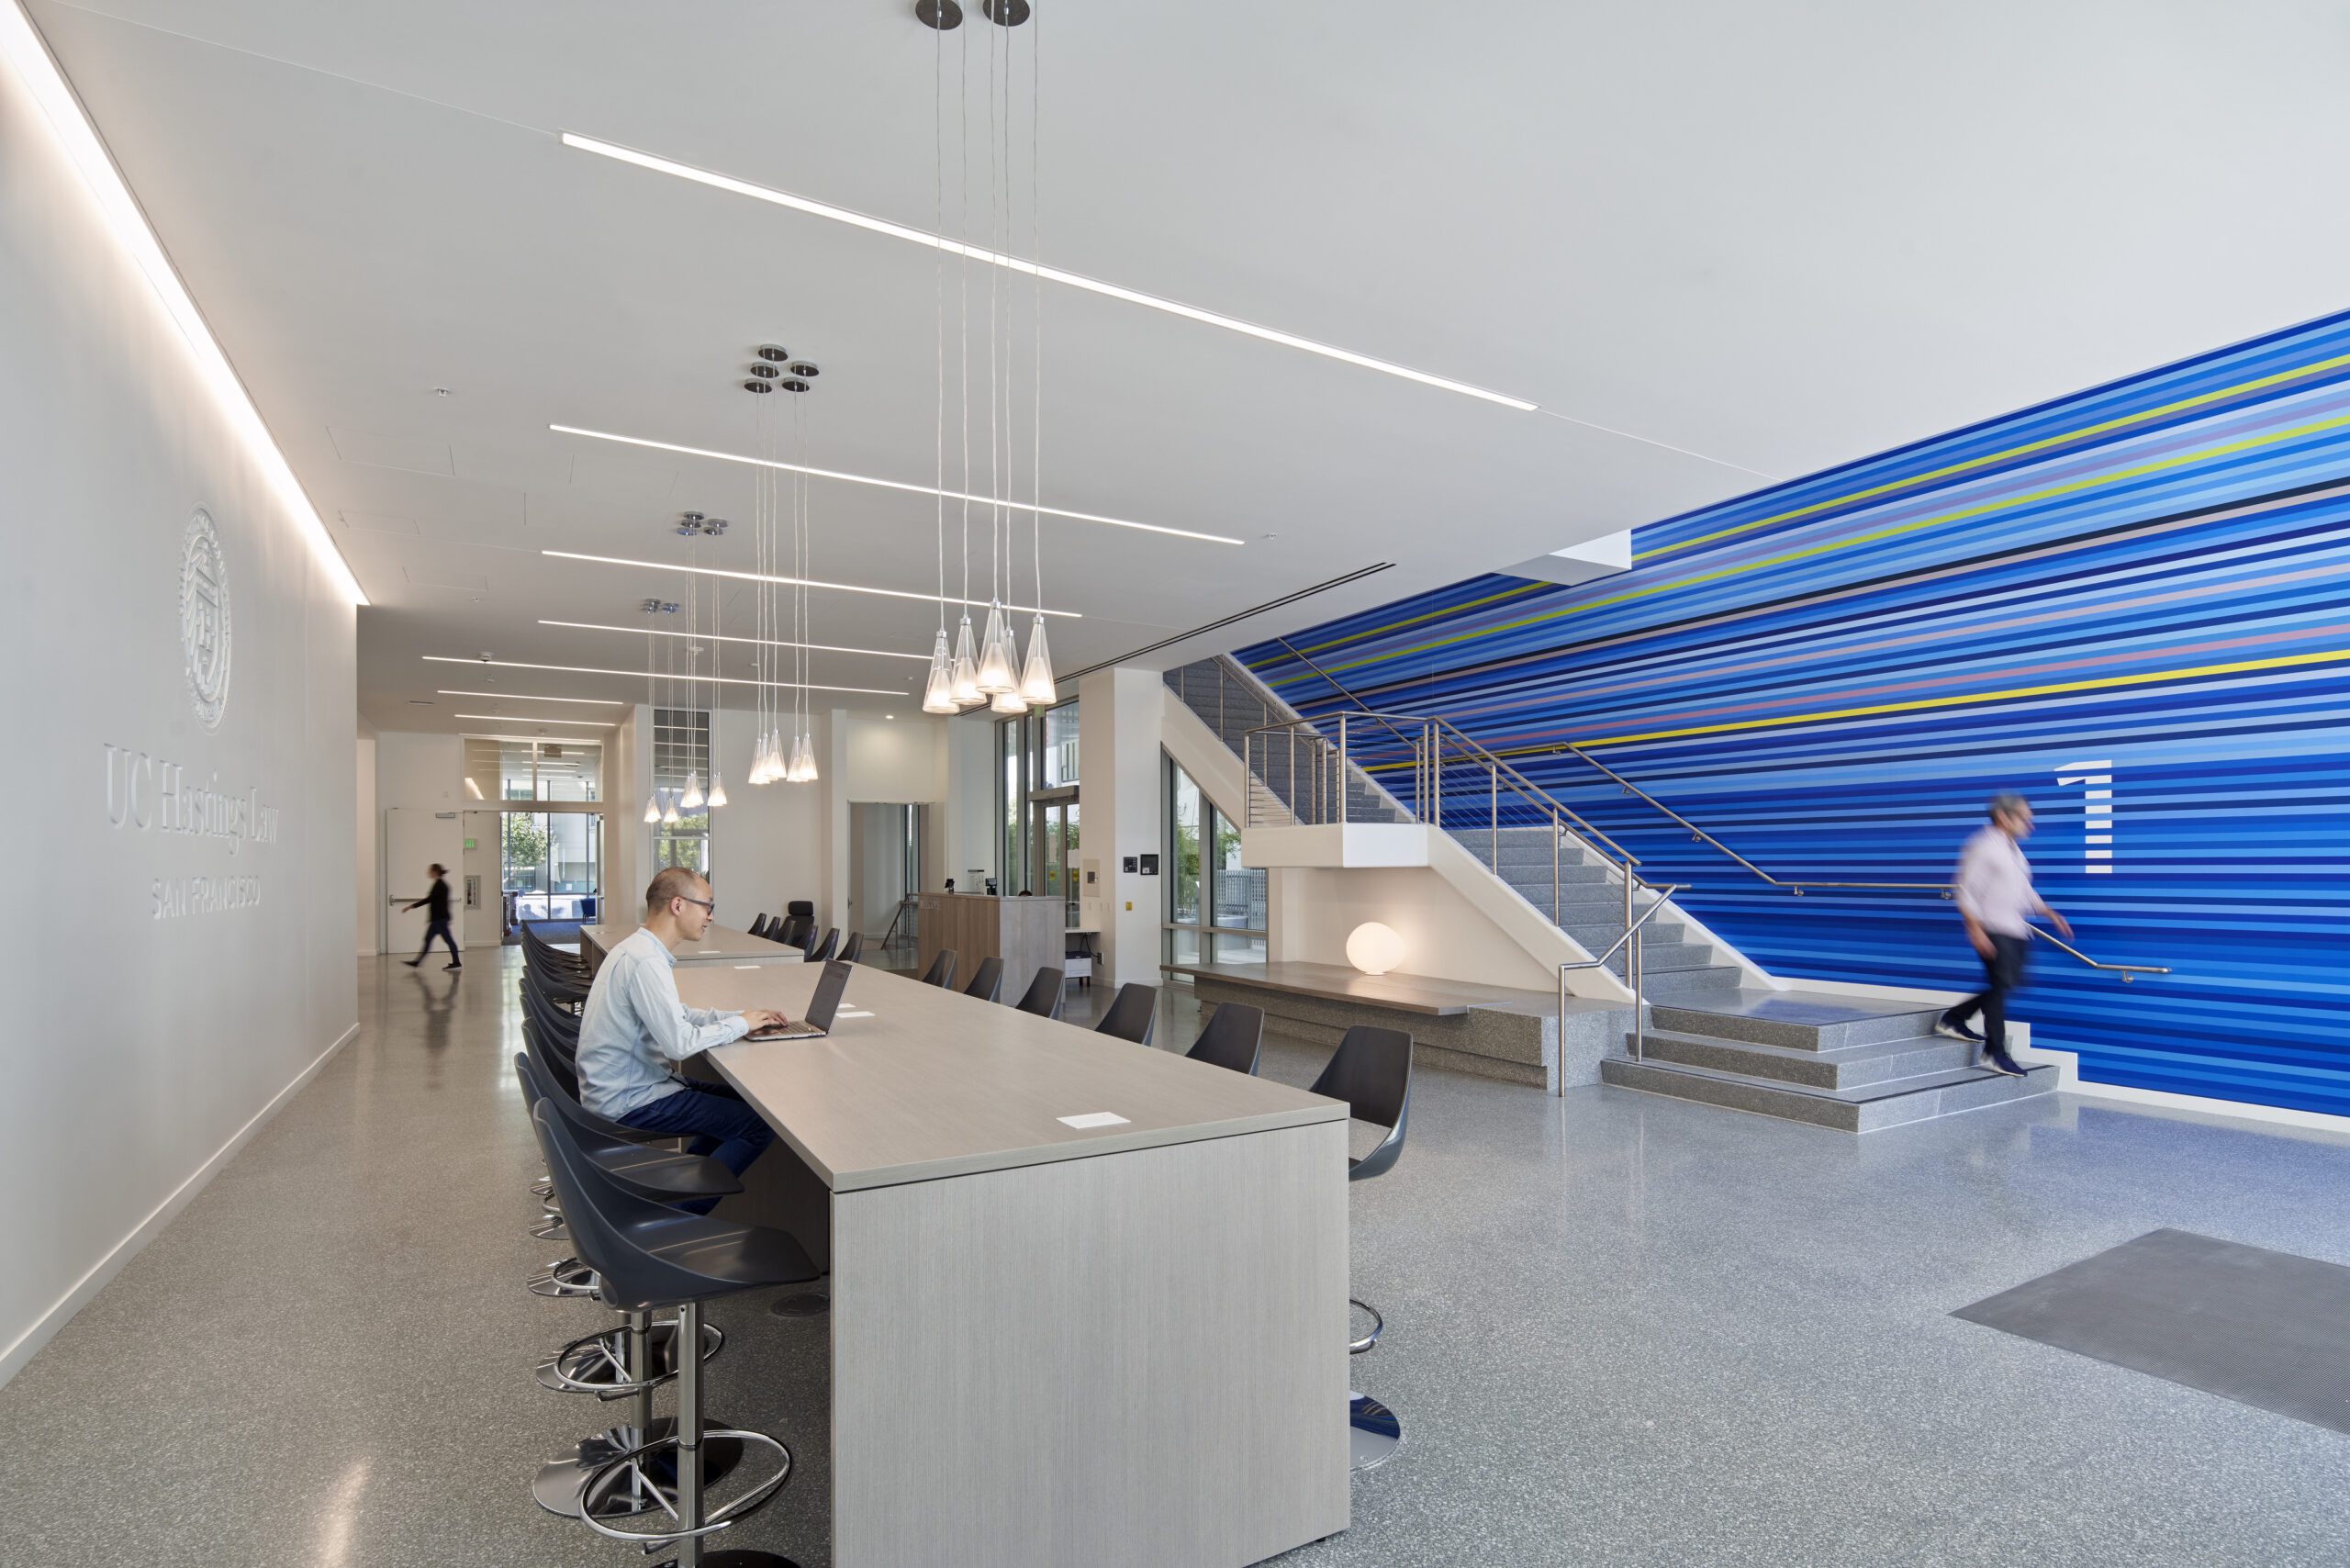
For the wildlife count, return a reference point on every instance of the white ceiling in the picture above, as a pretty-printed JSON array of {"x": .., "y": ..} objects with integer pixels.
[{"x": 1717, "y": 242}]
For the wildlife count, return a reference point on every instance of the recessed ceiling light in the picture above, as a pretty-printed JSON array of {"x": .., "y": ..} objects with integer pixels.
[
  {"x": 77, "y": 140},
  {"x": 535, "y": 719},
  {"x": 529, "y": 697},
  {"x": 887, "y": 484},
  {"x": 1013, "y": 264},
  {"x": 715, "y": 637},
  {"x": 639, "y": 675},
  {"x": 771, "y": 578}
]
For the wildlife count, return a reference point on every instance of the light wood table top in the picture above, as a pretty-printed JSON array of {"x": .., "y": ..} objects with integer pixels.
[
  {"x": 719, "y": 945},
  {"x": 934, "y": 1084}
]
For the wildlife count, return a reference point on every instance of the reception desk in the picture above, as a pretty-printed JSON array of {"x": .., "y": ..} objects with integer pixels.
[
  {"x": 1026, "y": 934},
  {"x": 1089, "y": 1299}
]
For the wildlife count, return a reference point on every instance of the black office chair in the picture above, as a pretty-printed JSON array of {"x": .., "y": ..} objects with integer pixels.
[
  {"x": 1372, "y": 1072},
  {"x": 1046, "y": 993},
  {"x": 758, "y": 926},
  {"x": 650, "y": 1256},
  {"x": 987, "y": 981},
  {"x": 1235, "y": 1037},
  {"x": 853, "y": 946},
  {"x": 942, "y": 969},
  {"x": 822, "y": 952},
  {"x": 798, "y": 924},
  {"x": 1132, "y": 1013},
  {"x": 640, "y": 1354}
]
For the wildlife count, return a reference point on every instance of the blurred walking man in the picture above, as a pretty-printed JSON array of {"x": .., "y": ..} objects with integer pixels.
[
  {"x": 435, "y": 905},
  {"x": 1995, "y": 899}
]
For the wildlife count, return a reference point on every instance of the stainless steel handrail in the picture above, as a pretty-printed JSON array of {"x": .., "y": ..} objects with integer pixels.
[
  {"x": 1635, "y": 980},
  {"x": 2127, "y": 971}
]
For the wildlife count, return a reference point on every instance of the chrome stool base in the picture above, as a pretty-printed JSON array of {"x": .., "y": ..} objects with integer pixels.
[
  {"x": 551, "y": 1228},
  {"x": 736, "y": 1559},
  {"x": 624, "y": 1489},
  {"x": 1378, "y": 1326},
  {"x": 598, "y": 1362},
  {"x": 660, "y": 1454},
  {"x": 1373, "y": 1432},
  {"x": 563, "y": 1277}
]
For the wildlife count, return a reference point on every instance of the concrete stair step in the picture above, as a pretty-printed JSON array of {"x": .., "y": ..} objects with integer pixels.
[
  {"x": 1599, "y": 934},
  {"x": 1684, "y": 985},
  {"x": 1665, "y": 957},
  {"x": 1851, "y": 1066},
  {"x": 1799, "y": 1020},
  {"x": 1895, "y": 1103}
]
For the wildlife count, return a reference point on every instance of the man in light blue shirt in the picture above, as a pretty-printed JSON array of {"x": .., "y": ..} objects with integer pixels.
[
  {"x": 1996, "y": 900},
  {"x": 634, "y": 1030}
]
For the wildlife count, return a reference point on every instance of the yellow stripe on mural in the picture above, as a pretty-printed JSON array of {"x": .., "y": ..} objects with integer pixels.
[
  {"x": 2057, "y": 689},
  {"x": 1943, "y": 473},
  {"x": 1894, "y": 531}
]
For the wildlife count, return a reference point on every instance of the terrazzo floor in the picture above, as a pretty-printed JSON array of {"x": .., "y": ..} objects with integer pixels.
[{"x": 1621, "y": 1329}]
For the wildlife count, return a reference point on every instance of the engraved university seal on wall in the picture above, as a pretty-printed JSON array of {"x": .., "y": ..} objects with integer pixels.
[{"x": 203, "y": 617}]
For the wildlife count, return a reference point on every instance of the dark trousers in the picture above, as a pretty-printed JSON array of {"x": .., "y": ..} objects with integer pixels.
[
  {"x": 715, "y": 1121},
  {"x": 2002, "y": 972},
  {"x": 439, "y": 928}
]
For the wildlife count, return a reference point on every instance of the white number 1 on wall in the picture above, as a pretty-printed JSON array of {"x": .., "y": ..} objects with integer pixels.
[{"x": 2096, "y": 779}]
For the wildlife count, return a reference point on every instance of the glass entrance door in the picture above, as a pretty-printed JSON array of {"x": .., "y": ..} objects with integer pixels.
[
  {"x": 1055, "y": 834},
  {"x": 551, "y": 866}
]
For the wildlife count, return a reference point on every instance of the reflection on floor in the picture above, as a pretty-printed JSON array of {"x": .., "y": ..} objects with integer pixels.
[{"x": 1620, "y": 1329}]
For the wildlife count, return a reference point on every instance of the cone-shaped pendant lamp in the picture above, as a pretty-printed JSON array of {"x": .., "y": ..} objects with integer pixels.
[
  {"x": 670, "y": 814},
  {"x": 717, "y": 796},
  {"x": 692, "y": 800},
  {"x": 1008, "y": 702},
  {"x": 653, "y": 807},
  {"x": 938, "y": 687},
  {"x": 995, "y": 673},
  {"x": 807, "y": 758},
  {"x": 1036, "y": 680},
  {"x": 967, "y": 665}
]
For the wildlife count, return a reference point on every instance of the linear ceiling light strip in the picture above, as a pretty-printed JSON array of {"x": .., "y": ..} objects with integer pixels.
[
  {"x": 586, "y": 669},
  {"x": 766, "y": 642},
  {"x": 529, "y": 697},
  {"x": 535, "y": 719},
  {"x": 788, "y": 582},
  {"x": 78, "y": 139},
  {"x": 750, "y": 461},
  {"x": 1013, "y": 264}
]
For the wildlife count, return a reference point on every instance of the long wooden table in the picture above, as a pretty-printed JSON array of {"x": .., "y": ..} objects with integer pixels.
[
  {"x": 719, "y": 945},
  {"x": 1119, "y": 1345}
]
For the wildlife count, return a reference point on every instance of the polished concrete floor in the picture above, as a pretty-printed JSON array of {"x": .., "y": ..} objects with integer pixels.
[{"x": 1621, "y": 1329}]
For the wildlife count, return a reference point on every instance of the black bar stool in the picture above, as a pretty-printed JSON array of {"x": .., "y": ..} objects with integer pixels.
[
  {"x": 822, "y": 952},
  {"x": 631, "y": 1360},
  {"x": 1133, "y": 1013},
  {"x": 1235, "y": 1037},
  {"x": 853, "y": 946},
  {"x": 1046, "y": 993},
  {"x": 758, "y": 926},
  {"x": 1372, "y": 1072},
  {"x": 987, "y": 981},
  {"x": 653, "y": 1258},
  {"x": 942, "y": 969}
]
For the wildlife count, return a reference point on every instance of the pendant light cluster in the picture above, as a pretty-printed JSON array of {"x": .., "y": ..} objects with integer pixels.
[
  {"x": 778, "y": 758},
  {"x": 989, "y": 671}
]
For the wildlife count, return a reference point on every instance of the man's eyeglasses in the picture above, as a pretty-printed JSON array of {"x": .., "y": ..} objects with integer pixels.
[{"x": 710, "y": 904}]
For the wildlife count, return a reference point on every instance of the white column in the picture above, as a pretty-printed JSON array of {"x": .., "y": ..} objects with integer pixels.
[{"x": 1121, "y": 816}]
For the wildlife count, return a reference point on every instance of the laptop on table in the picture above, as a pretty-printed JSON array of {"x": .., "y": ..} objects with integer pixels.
[{"x": 821, "y": 1008}]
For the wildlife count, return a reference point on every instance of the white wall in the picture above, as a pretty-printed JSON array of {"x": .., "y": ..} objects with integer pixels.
[
  {"x": 771, "y": 843},
  {"x": 143, "y": 1044},
  {"x": 968, "y": 831},
  {"x": 421, "y": 772},
  {"x": 1313, "y": 911}
]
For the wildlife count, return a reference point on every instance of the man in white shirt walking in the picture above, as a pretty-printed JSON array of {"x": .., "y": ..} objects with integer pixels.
[
  {"x": 1995, "y": 899},
  {"x": 634, "y": 1030}
]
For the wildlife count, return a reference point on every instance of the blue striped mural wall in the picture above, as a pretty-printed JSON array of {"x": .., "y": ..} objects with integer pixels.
[{"x": 2148, "y": 581}]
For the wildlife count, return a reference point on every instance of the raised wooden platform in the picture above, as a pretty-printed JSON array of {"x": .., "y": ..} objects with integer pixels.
[{"x": 1491, "y": 1030}]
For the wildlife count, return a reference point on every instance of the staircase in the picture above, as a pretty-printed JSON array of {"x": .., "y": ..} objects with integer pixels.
[
  {"x": 1823, "y": 1059},
  {"x": 1834, "y": 1061}
]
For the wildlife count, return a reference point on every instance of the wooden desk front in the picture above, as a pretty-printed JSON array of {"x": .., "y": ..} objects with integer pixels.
[{"x": 1118, "y": 1346}]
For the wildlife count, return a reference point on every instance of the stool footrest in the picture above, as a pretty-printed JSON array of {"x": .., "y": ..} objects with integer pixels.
[
  {"x": 597, "y": 1363},
  {"x": 718, "y": 1518}
]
